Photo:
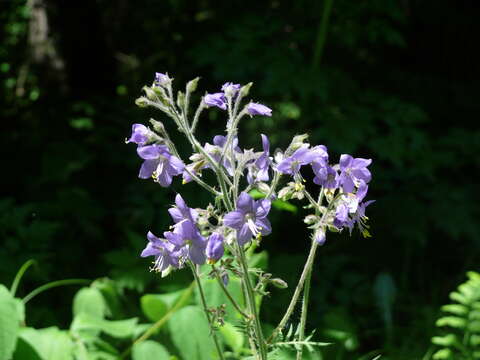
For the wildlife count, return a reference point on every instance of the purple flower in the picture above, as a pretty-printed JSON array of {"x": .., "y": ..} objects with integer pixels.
[
  {"x": 258, "y": 171},
  {"x": 353, "y": 170},
  {"x": 166, "y": 253},
  {"x": 216, "y": 150},
  {"x": 300, "y": 157},
  {"x": 162, "y": 79},
  {"x": 258, "y": 109},
  {"x": 140, "y": 134},
  {"x": 159, "y": 163},
  {"x": 325, "y": 175},
  {"x": 214, "y": 249},
  {"x": 187, "y": 232},
  {"x": 181, "y": 212},
  {"x": 230, "y": 89},
  {"x": 249, "y": 219},
  {"x": 216, "y": 99}
]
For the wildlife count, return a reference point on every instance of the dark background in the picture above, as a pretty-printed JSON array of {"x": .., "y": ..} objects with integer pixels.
[{"x": 394, "y": 80}]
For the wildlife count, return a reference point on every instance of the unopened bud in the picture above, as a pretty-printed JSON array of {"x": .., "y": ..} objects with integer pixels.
[
  {"x": 192, "y": 85},
  {"x": 180, "y": 99},
  {"x": 311, "y": 219},
  {"x": 142, "y": 101},
  {"x": 298, "y": 142},
  {"x": 150, "y": 93},
  {"x": 279, "y": 283},
  {"x": 245, "y": 89},
  {"x": 157, "y": 126}
]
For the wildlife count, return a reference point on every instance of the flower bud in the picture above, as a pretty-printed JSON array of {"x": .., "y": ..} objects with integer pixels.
[
  {"x": 214, "y": 249},
  {"x": 162, "y": 79},
  {"x": 192, "y": 85},
  {"x": 298, "y": 142},
  {"x": 319, "y": 236},
  {"x": 311, "y": 219},
  {"x": 180, "y": 99},
  {"x": 279, "y": 283},
  {"x": 157, "y": 126},
  {"x": 150, "y": 93},
  {"x": 161, "y": 95},
  {"x": 245, "y": 89},
  {"x": 142, "y": 101},
  {"x": 264, "y": 188}
]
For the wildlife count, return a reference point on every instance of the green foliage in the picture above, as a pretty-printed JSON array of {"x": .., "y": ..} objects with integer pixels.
[
  {"x": 9, "y": 323},
  {"x": 461, "y": 338}
]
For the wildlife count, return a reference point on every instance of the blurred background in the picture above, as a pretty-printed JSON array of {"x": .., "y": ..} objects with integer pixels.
[{"x": 392, "y": 80}]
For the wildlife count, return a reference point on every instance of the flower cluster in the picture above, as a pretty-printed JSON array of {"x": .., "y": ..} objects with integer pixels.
[{"x": 238, "y": 218}]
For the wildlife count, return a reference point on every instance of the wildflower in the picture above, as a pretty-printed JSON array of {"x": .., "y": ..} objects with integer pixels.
[
  {"x": 159, "y": 163},
  {"x": 291, "y": 165},
  {"x": 187, "y": 233},
  {"x": 258, "y": 109},
  {"x": 181, "y": 212},
  {"x": 258, "y": 171},
  {"x": 249, "y": 219},
  {"x": 216, "y": 99},
  {"x": 214, "y": 249},
  {"x": 353, "y": 171},
  {"x": 325, "y": 175},
  {"x": 140, "y": 134},
  {"x": 166, "y": 254}
]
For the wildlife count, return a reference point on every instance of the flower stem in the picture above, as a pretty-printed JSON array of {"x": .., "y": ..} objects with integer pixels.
[
  {"x": 227, "y": 293},
  {"x": 303, "y": 318},
  {"x": 298, "y": 289},
  {"x": 205, "y": 309},
  {"x": 251, "y": 304}
]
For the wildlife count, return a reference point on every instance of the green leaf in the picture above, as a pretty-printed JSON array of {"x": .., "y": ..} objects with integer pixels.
[
  {"x": 233, "y": 337},
  {"x": 443, "y": 354},
  {"x": 452, "y": 321},
  {"x": 149, "y": 350},
  {"x": 153, "y": 306},
  {"x": 447, "y": 340},
  {"x": 285, "y": 205},
  {"x": 258, "y": 260},
  {"x": 49, "y": 343},
  {"x": 9, "y": 323},
  {"x": 25, "y": 351},
  {"x": 191, "y": 334},
  {"x": 455, "y": 309},
  {"x": 89, "y": 300},
  {"x": 85, "y": 323}
]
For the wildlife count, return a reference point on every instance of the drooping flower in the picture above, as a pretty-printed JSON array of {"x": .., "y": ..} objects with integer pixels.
[
  {"x": 258, "y": 109},
  {"x": 249, "y": 218},
  {"x": 214, "y": 249},
  {"x": 159, "y": 163},
  {"x": 162, "y": 79},
  {"x": 291, "y": 165},
  {"x": 216, "y": 99},
  {"x": 140, "y": 134},
  {"x": 258, "y": 171},
  {"x": 353, "y": 172},
  {"x": 166, "y": 253}
]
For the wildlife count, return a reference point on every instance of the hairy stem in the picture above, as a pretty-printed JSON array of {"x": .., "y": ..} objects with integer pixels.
[
  {"x": 298, "y": 290},
  {"x": 251, "y": 304},
  {"x": 227, "y": 293},
  {"x": 303, "y": 318},
  {"x": 205, "y": 309}
]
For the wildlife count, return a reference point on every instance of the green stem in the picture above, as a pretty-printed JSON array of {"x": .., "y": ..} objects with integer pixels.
[
  {"x": 151, "y": 330},
  {"x": 53, "y": 284},
  {"x": 303, "y": 318},
  {"x": 322, "y": 34},
  {"x": 251, "y": 304},
  {"x": 227, "y": 293},
  {"x": 19, "y": 275},
  {"x": 296, "y": 293},
  {"x": 205, "y": 309},
  {"x": 196, "y": 117}
]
